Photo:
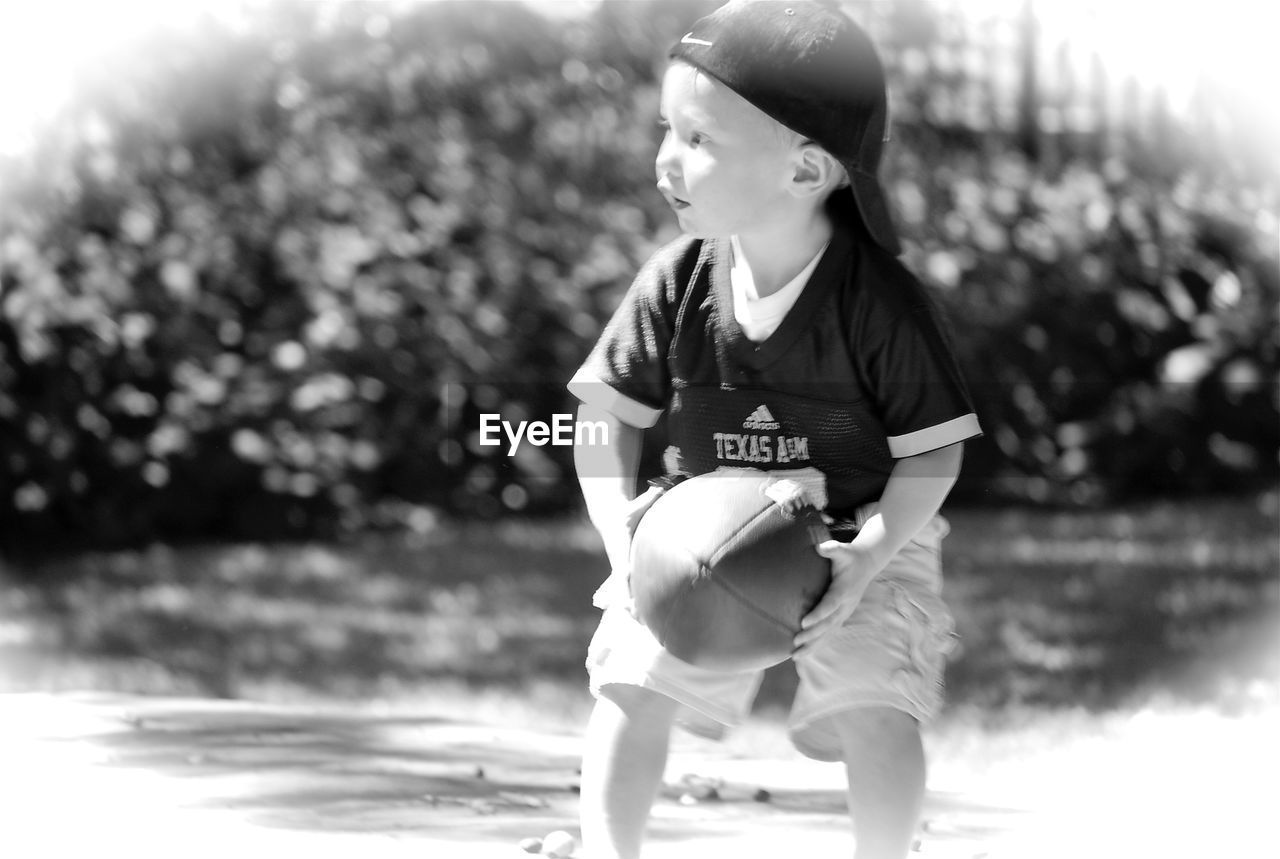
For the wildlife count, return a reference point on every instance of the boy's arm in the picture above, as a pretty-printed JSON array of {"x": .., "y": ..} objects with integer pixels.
[
  {"x": 916, "y": 489},
  {"x": 607, "y": 475}
]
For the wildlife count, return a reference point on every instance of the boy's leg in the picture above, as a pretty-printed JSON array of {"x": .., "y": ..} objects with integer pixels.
[
  {"x": 623, "y": 761},
  {"x": 884, "y": 759}
]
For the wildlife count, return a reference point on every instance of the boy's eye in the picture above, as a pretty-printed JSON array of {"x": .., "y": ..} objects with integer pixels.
[{"x": 696, "y": 138}]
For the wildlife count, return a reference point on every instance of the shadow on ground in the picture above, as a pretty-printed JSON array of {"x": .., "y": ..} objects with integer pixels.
[{"x": 353, "y": 771}]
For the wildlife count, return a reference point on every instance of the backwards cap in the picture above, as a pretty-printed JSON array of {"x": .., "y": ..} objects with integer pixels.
[{"x": 811, "y": 68}]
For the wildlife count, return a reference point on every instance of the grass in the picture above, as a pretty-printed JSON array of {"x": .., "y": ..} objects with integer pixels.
[{"x": 1094, "y": 611}]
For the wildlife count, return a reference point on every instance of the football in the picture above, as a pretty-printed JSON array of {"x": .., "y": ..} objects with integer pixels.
[{"x": 724, "y": 567}]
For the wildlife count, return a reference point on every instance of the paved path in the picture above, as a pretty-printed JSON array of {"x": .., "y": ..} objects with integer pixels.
[{"x": 115, "y": 775}]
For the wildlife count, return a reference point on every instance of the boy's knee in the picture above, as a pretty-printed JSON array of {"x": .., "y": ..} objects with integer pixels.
[
  {"x": 885, "y": 728},
  {"x": 637, "y": 702}
]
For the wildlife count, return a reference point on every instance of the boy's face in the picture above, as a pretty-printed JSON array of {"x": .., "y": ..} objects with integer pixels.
[{"x": 723, "y": 165}]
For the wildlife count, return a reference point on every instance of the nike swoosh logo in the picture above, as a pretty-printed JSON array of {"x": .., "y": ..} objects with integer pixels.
[{"x": 688, "y": 39}]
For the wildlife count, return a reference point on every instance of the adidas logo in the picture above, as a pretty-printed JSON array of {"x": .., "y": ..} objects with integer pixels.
[{"x": 761, "y": 419}]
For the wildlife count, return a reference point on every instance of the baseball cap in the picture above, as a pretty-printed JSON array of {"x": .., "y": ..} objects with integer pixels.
[{"x": 810, "y": 67}]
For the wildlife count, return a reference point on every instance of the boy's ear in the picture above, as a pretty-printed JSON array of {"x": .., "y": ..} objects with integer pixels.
[{"x": 816, "y": 171}]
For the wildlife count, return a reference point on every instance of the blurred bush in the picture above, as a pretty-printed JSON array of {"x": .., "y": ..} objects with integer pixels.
[{"x": 262, "y": 284}]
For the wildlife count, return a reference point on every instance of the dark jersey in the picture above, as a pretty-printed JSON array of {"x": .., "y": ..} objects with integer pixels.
[{"x": 857, "y": 374}]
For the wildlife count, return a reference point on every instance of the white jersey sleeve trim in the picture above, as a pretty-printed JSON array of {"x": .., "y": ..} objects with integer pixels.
[
  {"x": 934, "y": 437},
  {"x": 590, "y": 390}
]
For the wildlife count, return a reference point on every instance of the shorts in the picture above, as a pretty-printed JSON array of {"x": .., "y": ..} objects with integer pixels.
[{"x": 891, "y": 652}]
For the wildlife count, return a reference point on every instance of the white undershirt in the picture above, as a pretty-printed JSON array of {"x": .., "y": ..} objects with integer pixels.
[{"x": 759, "y": 317}]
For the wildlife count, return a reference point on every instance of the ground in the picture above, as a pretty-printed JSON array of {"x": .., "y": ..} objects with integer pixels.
[
  {"x": 154, "y": 776},
  {"x": 1115, "y": 693}
]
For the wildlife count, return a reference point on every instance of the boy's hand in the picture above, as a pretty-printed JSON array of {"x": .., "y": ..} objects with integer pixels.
[
  {"x": 852, "y": 569},
  {"x": 617, "y": 532},
  {"x": 639, "y": 506},
  {"x": 616, "y": 590}
]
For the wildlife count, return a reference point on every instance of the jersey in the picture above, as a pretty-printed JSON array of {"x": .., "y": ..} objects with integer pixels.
[{"x": 857, "y": 375}]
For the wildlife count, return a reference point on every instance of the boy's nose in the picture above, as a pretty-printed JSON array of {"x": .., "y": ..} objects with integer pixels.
[{"x": 665, "y": 161}]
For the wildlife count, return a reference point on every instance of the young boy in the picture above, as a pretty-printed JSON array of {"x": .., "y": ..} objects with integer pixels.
[{"x": 783, "y": 312}]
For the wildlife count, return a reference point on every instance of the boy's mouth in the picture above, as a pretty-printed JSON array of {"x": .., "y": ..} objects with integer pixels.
[{"x": 672, "y": 200}]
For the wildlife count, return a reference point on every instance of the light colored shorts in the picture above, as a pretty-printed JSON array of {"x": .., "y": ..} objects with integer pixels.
[{"x": 891, "y": 652}]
